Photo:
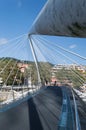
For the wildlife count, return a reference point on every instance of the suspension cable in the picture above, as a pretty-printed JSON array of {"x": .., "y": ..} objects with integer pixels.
[
  {"x": 35, "y": 59},
  {"x": 73, "y": 61},
  {"x": 61, "y": 53},
  {"x": 5, "y": 66},
  {"x": 47, "y": 53},
  {"x": 10, "y": 73},
  {"x": 67, "y": 58},
  {"x": 66, "y": 50}
]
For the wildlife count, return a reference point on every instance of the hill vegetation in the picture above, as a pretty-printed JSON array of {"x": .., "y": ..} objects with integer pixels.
[{"x": 11, "y": 74}]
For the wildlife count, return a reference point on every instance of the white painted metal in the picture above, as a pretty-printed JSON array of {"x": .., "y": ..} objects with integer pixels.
[
  {"x": 35, "y": 59},
  {"x": 61, "y": 17}
]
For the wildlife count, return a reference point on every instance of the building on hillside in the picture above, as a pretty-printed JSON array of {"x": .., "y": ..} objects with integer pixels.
[
  {"x": 61, "y": 66},
  {"x": 81, "y": 68},
  {"x": 22, "y": 66}
]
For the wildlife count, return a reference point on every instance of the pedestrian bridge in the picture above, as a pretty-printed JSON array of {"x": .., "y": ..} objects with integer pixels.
[
  {"x": 37, "y": 76},
  {"x": 51, "y": 108}
]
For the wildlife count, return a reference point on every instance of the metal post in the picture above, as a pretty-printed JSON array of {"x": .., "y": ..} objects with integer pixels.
[
  {"x": 78, "y": 127},
  {"x": 35, "y": 59}
]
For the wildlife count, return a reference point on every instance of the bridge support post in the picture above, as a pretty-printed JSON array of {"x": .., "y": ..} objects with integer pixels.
[{"x": 35, "y": 59}]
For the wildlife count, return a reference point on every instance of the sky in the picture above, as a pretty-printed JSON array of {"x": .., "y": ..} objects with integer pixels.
[{"x": 17, "y": 17}]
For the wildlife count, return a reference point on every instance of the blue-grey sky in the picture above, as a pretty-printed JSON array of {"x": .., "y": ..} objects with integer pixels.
[{"x": 17, "y": 16}]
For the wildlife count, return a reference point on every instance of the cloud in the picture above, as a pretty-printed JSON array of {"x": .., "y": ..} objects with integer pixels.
[
  {"x": 3, "y": 41},
  {"x": 72, "y": 46},
  {"x": 19, "y": 4}
]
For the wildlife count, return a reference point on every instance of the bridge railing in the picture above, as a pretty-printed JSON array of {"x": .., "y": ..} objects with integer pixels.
[{"x": 77, "y": 120}]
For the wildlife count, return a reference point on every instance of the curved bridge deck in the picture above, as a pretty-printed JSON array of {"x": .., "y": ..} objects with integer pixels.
[
  {"x": 51, "y": 109},
  {"x": 40, "y": 112}
]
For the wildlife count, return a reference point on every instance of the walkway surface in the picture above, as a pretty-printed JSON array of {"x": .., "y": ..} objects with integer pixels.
[{"x": 40, "y": 112}]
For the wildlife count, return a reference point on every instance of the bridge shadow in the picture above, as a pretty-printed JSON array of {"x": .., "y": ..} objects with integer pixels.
[
  {"x": 40, "y": 112},
  {"x": 44, "y": 110},
  {"x": 34, "y": 120}
]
